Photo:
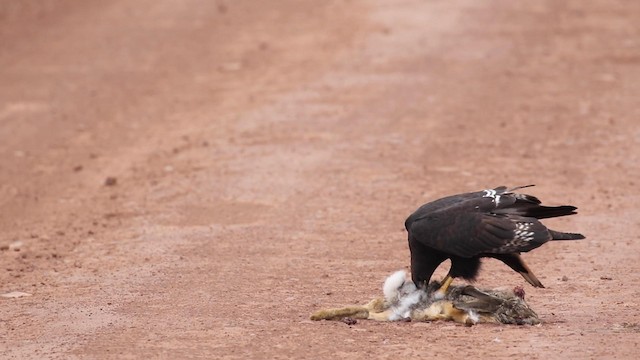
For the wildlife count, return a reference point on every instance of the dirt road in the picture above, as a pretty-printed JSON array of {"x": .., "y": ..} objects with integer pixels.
[{"x": 265, "y": 155}]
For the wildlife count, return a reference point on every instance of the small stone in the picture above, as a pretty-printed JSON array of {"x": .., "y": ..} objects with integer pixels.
[
  {"x": 16, "y": 245},
  {"x": 231, "y": 66},
  {"x": 606, "y": 77},
  {"x": 564, "y": 278},
  {"x": 349, "y": 321},
  {"x": 15, "y": 295},
  {"x": 584, "y": 108},
  {"x": 110, "y": 181}
]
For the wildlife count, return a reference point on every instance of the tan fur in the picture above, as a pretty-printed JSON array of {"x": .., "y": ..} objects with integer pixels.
[
  {"x": 440, "y": 310},
  {"x": 462, "y": 304},
  {"x": 376, "y": 309}
]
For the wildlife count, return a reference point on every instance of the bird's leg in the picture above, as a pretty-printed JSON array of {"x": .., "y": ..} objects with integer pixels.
[{"x": 442, "y": 291}]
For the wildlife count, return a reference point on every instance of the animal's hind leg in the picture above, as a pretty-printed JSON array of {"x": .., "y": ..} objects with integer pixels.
[
  {"x": 445, "y": 310},
  {"x": 476, "y": 293},
  {"x": 380, "y": 316},
  {"x": 481, "y": 303},
  {"x": 375, "y": 306}
]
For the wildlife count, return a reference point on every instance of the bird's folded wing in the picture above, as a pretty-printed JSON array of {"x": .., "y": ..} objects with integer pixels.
[{"x": 468, "y": 234}]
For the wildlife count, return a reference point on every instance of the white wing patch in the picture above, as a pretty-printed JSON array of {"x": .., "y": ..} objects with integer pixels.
[
  {"x": 522, "y": 237},
  {"x": 492, "y": 194},
  {"x": 522, "y": 232}
]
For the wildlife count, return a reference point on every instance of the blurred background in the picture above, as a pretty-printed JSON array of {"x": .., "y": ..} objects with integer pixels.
[{"x": 195, "y": 177}]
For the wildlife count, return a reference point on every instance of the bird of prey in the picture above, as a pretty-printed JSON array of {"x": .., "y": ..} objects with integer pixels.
[{"x": 497, "y": 223}]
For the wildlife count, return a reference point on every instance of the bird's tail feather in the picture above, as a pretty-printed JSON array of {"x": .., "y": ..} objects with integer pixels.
[
  {"x": 515, "y": 262},
  {"x": 544, "y": 212},
  {"x": 557, "y": 235},
  {"x": 539, "y": 211}
]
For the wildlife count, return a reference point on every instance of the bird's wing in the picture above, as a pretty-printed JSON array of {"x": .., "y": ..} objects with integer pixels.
[
  {"x": 466, "y": 234},
  {"x": 500, "y": 198},
  {"x": 465, "y": 200}
]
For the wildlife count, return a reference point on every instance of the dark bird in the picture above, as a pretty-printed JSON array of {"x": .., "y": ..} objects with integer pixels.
[{"x": 464, "y": 228}]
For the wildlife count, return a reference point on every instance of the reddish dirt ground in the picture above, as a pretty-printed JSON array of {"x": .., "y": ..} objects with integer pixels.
[{"x": 267, "y": 153}]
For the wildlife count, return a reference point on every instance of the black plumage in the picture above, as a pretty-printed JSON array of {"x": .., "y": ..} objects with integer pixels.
[{"x": 497, "y": 223}]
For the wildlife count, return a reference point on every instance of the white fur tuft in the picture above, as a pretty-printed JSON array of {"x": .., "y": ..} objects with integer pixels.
[
  {"x": 393, "y": 283},
  {"x": 439, "y": 295},
  {"x": 473, "y": 316},
  {"x": 402, "y": 293},
  {"x": 403, "y": 310}
]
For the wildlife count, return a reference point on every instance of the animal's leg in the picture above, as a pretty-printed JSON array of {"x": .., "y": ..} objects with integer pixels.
[
  {"x": 376, "y": 309},
  {"x": 445, "y": 310},
  {"x": 467, "y": 318},
  {"x": 356, "y": 312},
  {"x": 478, "y": 294},
  {"x": 381, "y": 316}
]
